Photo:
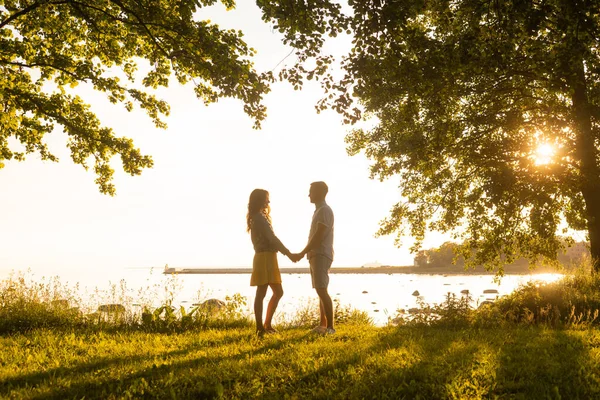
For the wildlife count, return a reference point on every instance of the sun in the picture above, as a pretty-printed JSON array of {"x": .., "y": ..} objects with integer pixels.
[{"x": 543, "y": 154}]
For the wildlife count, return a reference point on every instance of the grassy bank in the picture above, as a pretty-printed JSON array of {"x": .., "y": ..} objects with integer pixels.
[
  {"x": 541, "y": 342},
  {"x": 357, "y": 362}
]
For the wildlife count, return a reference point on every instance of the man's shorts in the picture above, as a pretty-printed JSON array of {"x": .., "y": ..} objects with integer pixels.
[{"x": 319, "y": 271}]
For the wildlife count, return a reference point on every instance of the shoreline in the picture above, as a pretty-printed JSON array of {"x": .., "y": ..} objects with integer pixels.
[{"x": 375, "y": 270}]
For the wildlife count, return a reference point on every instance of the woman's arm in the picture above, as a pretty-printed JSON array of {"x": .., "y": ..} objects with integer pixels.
[{"x": 266, "y": 230}]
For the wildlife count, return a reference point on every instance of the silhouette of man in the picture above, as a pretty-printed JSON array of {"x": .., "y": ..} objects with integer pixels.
[{"x": 319, "y": 250}]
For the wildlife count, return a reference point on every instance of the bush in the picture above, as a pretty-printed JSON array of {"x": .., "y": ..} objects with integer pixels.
[
  {"x": 346, "y": 314},
  {"x": 454, "y": 311},
  {"x": 167, "y": 319},
  {"x": 26, "y": 305},
  {"x": 309, "y": 316},
  {"x": 574, "y": 300}
]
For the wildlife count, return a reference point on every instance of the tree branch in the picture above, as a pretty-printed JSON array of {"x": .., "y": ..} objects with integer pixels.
[
  {"x": 34, "y": 65},
  {"x": 26, "y": 10},
  {"x": 145, "y": 26},
  {"x": 18, "y": 14},
  {"x": 78, "y": 6}
]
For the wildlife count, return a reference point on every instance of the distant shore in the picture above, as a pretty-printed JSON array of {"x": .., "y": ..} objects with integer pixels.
[{"x": 513, "y": 270}]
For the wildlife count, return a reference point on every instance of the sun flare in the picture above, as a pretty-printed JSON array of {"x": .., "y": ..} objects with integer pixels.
[{"x": 543, "y": 154}]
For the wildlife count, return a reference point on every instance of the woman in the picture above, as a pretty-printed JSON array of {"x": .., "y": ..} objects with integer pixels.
[{"x": 265, "y": 270}]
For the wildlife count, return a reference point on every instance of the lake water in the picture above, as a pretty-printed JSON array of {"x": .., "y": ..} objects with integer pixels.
[{"x": 378, "y": 294}]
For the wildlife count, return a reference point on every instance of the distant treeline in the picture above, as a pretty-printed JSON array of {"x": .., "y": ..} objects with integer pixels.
[{"x": 445, "y": 256}]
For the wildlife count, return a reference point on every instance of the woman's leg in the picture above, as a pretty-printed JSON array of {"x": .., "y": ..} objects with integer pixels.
[
  {"x": 261, "y": 292},
  {"x": 277, "y": 295}
]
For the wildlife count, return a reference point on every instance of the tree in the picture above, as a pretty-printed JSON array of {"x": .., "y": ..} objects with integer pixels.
[
  {"x": 47, "y": 46},
  {"x": 445, "y": 256},
  {"x": 420, "y": 259},
  {"x": 463, "y": 94}
]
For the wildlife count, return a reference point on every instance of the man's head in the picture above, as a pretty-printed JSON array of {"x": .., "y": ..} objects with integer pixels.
[{"x": 317, "y": 192}]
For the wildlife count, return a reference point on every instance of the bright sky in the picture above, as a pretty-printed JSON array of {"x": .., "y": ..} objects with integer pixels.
[{"x": 189, "y": 210}]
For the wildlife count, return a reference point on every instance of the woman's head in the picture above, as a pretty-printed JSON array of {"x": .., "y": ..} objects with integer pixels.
[{"x": 258, "y": 203}]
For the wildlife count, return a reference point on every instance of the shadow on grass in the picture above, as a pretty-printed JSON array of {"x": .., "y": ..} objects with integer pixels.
[
  {"x": 555, "y": 364},
  {"x": 440, "y": 363},
  {"x": 181, "y": 382},
  {"x": 522, "y": 363},
  {"x": 377, "y": 379},
  {"x": 36, "y": 378},
  {"x": 405, "y": 362}
]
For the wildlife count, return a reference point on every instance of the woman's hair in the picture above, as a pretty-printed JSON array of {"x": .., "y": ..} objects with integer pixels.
[{"x": 258, "y": 203}]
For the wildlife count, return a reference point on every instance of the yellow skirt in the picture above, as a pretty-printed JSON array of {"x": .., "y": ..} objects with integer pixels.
[{"x": 265, "y": 269}]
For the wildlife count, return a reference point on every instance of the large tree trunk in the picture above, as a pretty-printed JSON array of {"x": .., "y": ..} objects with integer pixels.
[
  {"x": 587, "y": 154},
  {"x": 594, "y": 231}
]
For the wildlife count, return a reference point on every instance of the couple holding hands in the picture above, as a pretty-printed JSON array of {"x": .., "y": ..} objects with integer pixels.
[{"x": 265, "y": 269}]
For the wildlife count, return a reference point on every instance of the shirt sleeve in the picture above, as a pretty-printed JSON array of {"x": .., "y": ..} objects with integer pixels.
[
  {"x": 325, "y": 217},
  {"x": 265, "y": 229}
]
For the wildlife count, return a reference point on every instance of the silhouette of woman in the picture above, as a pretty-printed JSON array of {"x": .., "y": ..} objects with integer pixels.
[{"x": 265, "y": 269}]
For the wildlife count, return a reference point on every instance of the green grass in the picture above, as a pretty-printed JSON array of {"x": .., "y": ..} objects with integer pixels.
[
  {"x": 541, "y": 342},
  {"x": 357, "y": 362}
]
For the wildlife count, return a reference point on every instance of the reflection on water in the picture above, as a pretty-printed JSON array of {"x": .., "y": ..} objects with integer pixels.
[{"x": 378, "y": 294}]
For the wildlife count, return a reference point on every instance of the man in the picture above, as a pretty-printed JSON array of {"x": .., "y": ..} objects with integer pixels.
[{"x": 320, "y": 253}]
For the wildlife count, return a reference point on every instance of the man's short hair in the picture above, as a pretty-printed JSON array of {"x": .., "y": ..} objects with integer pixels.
[{"x": 321, "y": 186}]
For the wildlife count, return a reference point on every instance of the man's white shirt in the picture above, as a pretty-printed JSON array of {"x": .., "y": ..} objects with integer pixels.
[{"x": 323, "y": 215}]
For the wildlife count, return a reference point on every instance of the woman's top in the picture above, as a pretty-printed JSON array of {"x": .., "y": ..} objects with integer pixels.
[{"x": 263, "y": 237}]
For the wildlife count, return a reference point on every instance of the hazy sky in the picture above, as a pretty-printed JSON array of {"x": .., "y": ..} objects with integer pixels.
[{"x": 189, "y": 210}]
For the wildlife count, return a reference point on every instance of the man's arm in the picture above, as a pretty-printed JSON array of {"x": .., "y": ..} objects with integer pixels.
[{"x": 314, "y": 241}]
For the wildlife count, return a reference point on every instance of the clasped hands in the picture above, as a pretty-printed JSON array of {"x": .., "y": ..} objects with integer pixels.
[{"x": 295, "y": 257}]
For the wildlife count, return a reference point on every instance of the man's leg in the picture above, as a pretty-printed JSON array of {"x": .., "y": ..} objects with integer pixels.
[
  {"x": 315, "y": 281},
  {"x": 323, "y": 315},
  {"x": 326, "y": 307}
]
